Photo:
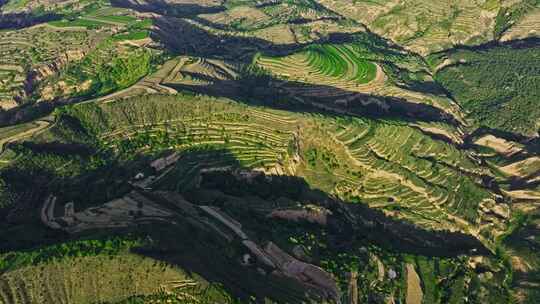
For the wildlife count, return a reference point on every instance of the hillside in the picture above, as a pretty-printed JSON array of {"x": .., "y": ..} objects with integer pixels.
[{"x": 269, "y": 151}]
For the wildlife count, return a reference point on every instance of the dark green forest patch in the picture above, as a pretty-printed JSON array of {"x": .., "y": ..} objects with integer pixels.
[{"x": 498, "y": 86}]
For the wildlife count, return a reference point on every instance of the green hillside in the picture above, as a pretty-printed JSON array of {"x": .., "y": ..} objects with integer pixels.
[{"x": 284, "y": 151}]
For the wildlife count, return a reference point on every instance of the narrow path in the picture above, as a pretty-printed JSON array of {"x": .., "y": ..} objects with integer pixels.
[
  {"x": 88, "y": 18},
  {"x": 414, "y": 290},
  {"x": 42, "y": 125}
]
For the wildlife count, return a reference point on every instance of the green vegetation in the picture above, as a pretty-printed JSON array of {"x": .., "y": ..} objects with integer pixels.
[
  {"x": 508, "y": 16},
  {"x": 184, "y": 295},
  {"x": 83, "y": 248},
  {"x": 498, "y": 86},
  {"x": 89, "y": 24},
  {"x": 109, "y": 68},
  {"x": 339, "y": 61},
  {"x": 388, "y": 172},
  {"x": 15, "y": 4},
  {"x": 138, "y": 35},
  {"x": 25, "y": 49},
  {"x": 118, "y": 18},
  {"x": 182, "y": 143},
  {"x": 88, "y": 279}
]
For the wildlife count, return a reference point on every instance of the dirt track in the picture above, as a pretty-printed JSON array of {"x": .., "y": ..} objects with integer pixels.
[
  {"x": 414, "y": 290},
  {"x": 42, "y": 125}
]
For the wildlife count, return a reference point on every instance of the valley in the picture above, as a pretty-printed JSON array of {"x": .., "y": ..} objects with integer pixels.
[{"x": 287, "y": 151}]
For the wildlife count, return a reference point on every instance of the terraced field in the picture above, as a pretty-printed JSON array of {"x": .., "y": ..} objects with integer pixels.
[
  {"x": 14, "y": 6},
  {"x": 340, "y": 71},
  {"x": 343, "y": 150},
  {"x": 20, "y": 132},
  {"x": 249, "y": 135},
  {"x": 430, "y": 26},
  {"x": 241, "y": 18},
  {"x": 385, "y": 164},
  {"x": 33, "y": 56},
  {"x": 80, "y": 280},
  {"x": 249, "y": 16},
  {"x": 398, "y": 169},
  {"x": 39, "y": 49},
  {"x": 337, "y": 65},
  {"x": 527, "y": 26},
  {"x": 114, "y": 64},
  {"x": 199, "y": 71}
]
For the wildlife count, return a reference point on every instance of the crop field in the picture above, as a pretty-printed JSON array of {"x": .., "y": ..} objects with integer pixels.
[
  {"x": 328, "y": 61},
  {"x": 85, "y": 23},
  {"x": 99, "y": 16},
  {"x": 335, "y": 66},
  {"x": 113, "y": 15},
  {"x": 339, "y": 71}
]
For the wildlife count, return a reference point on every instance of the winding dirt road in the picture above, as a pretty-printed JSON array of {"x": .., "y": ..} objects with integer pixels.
[{"x": 41, "y": 126}]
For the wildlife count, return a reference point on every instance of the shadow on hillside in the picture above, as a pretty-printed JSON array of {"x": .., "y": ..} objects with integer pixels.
[
  {"x": 169, "y": 8},
  {"x": 296, "y": 96},
  {"x": 530, "y": 148},
  {"x": 183, "y": 38},
  {"x": 247, "y": 197},
  {"x": 185, "y": 10},
  {"x": 347, "y": 223},
  {"x": 350, "y": 226},
  {"x": 22, "y": 20}
]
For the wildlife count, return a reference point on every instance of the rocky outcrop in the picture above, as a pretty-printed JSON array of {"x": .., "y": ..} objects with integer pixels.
[
  {"x": 306, "y": 273},
  {"x": 312, "y": 214},
  {"x": 46, "y": 70},
  {"x": 133, "y": 208},
  {"x": 49, "y": 69},
  {"x": 164, "y": 162}
]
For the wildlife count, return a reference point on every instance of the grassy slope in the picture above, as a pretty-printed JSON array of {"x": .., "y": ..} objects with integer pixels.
[{"x": 87, "y": 279}]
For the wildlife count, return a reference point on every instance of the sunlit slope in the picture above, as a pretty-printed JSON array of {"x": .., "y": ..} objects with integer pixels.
[
  {"x": 429, "y": 26},
  {"x": 386, "y": 164},
  {"x": 368, "y": 67}
]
